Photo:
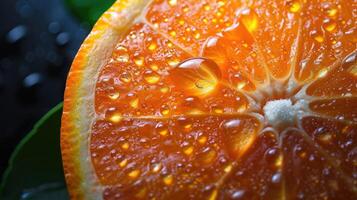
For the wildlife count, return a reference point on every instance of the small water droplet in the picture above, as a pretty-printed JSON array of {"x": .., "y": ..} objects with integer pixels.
[
  {"x": 207, "y": 7},
  {"x": 162, "y": 129},
  {"x": 329, "y": 25},
  {"x": 164, "y": 89},
  {"x": 325, "y": 137},
  {"x": 165, "y": 110},
  {"x": 173, "y": 62},
  {"x": 172, "y": 33},
  {"x": 134, "y": 103},
  {"x": 125, "y": 77},
  {"x": 168, "y": 180},
  {"x": 331, "y": 11},
  {"x": 122, "y": 54},
  {"x": 202, "y": 139},
  {"x": 139, "y": 61},
  {"x": 276, "y": 178},
  {"x": 294, "y": 6},
  {"x": 113, "y": 115},
  {"x": 228, "y": 168},
  {"x": 151, "y": 77},
  {"x": 134, "y": 174},
  {"x": 208, "y": 156},
  {"x": 152, "y": 46},
  {"x": 322, "y": 73},
  {"x": 317, "y": 36},
  {"x": 188, "y": 150},
  {"x": 123, "y": 163},
  {"x": 114, "y": 96},
  {"x": 172, "y": 2},
  {"x": 156, "y": 167},
  {"x": 238, "y": 194},
  {"x": 125, "y": 146}
]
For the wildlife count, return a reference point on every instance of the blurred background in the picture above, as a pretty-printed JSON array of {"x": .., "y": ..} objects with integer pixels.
[{"x": 38, "y": 41}]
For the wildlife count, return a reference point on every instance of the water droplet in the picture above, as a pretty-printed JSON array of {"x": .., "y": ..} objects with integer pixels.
[
  {"x": 202, "y": 139},
  {"x": 122, "y": 54},
  {"x": 172, "y": 33},
  {"x": 172, "y": 2},
  {"x": 325, "y": 137},
  {"x": 188, "y": 150},
  {"x": 113, "y": 115},
  {"x": 168, "y": 180},
  {"x": 125, "y": 146},
  {"x": 164, "y": 89},
  {"x": 332, "y": 11},
  {"x": 125, "y": 77},
  {"x": 221, "y": 3},
  {"x": 208, "y": 156},
  {"x": 165, "y": 110},
  {"x": 274, "y": 157},
  {"x": 250, "y": 19},
  {"x": 154, "y": 67},
  {"x": 294, "y": 6},
  {"x": 241, "y": 85},
  {"x": 238, "y": 136},
  {"x": 322, "y": 73},
  {"x": 151, "y": 77},
  {"x": 317, "y": 36},
  {"x": 228, "y": 168},
  {"x": 134, "y": 103},
  {"x": 197, "y": 76},
  {"x": 152, "y": 46},
  {"x": 276, "y": 178},
  {"x": 139, "y": 61},
  {"x": 173, "y": 62},
  {"x": 123, "y": 163},
  {"x": 134, "y": 174},
  {"x": 207, "y": 7},
  {"x": 238, "y": 194},
  {"x": 279, "y": 161},
  {"x": 162, "y": 129},
  {"x": 114, "y": 96},
  {"x": 156, "y": 167},
  {"x": 329, "y": 25}
]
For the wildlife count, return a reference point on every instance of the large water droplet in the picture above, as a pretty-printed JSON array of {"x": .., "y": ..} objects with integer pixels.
[
  {"x": 238, "y": 136},
  {"x": 197, "y": 76}
]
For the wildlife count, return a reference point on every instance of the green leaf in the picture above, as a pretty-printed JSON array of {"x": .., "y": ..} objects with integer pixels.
[
  {"x": 35, "y": 168},
  {"x": 88, "y": 11}
]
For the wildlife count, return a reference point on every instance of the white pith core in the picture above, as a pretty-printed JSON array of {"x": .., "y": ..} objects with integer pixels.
[{"x": 280, "y": 112}]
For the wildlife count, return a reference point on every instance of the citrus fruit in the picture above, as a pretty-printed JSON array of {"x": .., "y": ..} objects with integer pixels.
[{"x": 214, "y": 100}]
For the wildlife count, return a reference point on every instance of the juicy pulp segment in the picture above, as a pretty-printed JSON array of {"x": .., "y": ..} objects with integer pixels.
[
  {"x": 175, "y": 68},
  {"x": 169, "y": 155}
]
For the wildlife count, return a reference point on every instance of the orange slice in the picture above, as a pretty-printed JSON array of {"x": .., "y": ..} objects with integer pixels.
[{"x": 174, "y": 99}]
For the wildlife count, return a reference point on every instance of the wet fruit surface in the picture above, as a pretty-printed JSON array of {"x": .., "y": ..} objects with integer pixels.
[{"x": 230, "y": 100}]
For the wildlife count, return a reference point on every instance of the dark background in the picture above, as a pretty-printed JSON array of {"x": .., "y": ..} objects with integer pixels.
[{"x": 38, "y": 41}]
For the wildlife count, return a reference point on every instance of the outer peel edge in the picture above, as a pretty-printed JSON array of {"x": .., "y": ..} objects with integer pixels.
[{"x": 78, "y": 111}]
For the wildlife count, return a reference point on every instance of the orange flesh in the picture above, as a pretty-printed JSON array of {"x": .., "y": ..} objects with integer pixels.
[{"x": 177, "y": 116}]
